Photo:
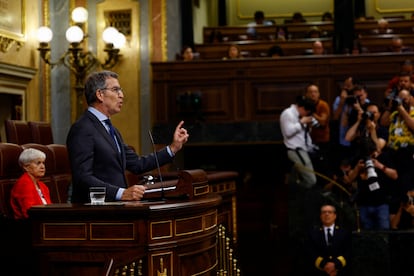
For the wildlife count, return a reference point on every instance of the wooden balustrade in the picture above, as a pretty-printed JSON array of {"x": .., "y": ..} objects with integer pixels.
[
  {"x": 301, "y": 30},
  {"x": 373, "y": 43},
  {"x": 382, "y": 43},
  {"x": 260, "y": 48},
  {"x": 398, "y": 25}
]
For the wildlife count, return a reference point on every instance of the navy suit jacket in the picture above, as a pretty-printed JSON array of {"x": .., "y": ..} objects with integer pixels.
[
  {"x": 320, "y": 253},
  {"x": 96, "y": 161}
]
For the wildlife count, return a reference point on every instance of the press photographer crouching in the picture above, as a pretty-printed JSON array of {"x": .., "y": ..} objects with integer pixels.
[
  {"x": 303, "y": 196},
  {"x": 375, "y": 175},
  {"x": 295, "y": 124}
]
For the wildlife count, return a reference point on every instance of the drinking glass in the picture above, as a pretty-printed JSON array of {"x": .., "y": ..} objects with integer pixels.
[{"x": 97, "y": 195}]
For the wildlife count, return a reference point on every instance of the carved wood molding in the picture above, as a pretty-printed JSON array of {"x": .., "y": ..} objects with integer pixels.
[{"x": 6, "y": 43}]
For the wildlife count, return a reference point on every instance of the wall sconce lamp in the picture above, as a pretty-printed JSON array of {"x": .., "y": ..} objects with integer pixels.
[{"x": 80, "y": 62}]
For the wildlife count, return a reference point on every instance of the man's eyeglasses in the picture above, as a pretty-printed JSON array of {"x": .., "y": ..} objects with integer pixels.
[
  {"x": 116, "y": 90},
  {"x": 327, "y": 212}
]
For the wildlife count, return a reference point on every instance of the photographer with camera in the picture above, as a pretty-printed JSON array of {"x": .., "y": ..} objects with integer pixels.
[
  {"x": 391, "y": 100},
  {"x": 376, "y": 176},
  {"x": 401, "y": 138},
  {"x": 367, "y": 125},
  {"x": 295, "y": 124},
  {"x": 403, "y": 219},
  {"x": 320, "y": 132},
  {"x": 303, "y": 192},
  {"x": 354, "y": 103},
  {"x": 406, "y": 68}
]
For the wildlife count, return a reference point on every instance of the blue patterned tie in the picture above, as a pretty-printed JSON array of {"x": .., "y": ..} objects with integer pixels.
[{"x": 111, "y": 131}]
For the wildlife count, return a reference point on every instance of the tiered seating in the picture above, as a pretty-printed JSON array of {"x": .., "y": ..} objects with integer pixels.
[
  {"x": 398, "y": 25},
  {"x": 291, "y": 30},
  {"x": 298, "y": 39},
  {"x": 258, "y": 48},
  {"x": 18, "y": 132},
  {"x": 382, "y": 43},
  {"x": 23, "y": 132},
  {"x": 41, "y": 132}
]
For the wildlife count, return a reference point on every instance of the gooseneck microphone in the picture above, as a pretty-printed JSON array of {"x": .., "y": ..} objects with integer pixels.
[{"x": 158, "y": 164}]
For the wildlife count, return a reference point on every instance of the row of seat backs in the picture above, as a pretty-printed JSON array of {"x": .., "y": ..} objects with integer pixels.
[
  {"x": 23, "y": 132},
  {"x": 57, "y": 176}
]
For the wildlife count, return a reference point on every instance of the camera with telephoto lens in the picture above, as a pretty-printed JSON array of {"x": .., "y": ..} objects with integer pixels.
[
  {"x": 369, "y": 167},
  {"x": 372, "y": 180}
]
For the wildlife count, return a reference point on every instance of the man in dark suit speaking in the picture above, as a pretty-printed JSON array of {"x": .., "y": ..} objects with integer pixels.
[{"x": 97, "y": 152}]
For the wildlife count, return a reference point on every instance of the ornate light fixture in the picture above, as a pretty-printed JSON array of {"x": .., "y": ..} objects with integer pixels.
[{"x": 81, "y": 62}]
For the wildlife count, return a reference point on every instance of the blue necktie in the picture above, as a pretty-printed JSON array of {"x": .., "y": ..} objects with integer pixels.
[{"x": 111, "y": 131}]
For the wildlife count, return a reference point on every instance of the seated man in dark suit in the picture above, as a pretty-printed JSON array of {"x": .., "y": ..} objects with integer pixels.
[
  {"x": 329, "y": 246},
  {"x": 397, "y": 46}
]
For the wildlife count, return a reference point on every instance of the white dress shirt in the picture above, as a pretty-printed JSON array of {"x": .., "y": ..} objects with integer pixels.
[{"x": 292, "y": 130}]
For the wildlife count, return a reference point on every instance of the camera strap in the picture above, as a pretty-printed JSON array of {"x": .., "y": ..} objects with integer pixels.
[{"x": 306, "y": 135}]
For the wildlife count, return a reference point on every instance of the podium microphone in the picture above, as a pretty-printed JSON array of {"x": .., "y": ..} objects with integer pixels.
[{"x": 158, "y": 165}]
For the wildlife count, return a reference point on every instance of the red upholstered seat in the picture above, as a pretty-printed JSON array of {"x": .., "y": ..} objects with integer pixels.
[
  {"x": 18, "y": 132},
  {"x": 41, "y": 132},
  {"x": 62, "y": 178},
  {"x": 10, "y": 171}
]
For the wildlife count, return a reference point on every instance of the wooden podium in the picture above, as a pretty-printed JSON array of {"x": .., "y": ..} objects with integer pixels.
[
  {"x": 189, "y": 184},
  {"x": 172, "y": 237}
]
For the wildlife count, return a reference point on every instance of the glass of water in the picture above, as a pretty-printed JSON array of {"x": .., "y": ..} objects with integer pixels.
[{"x": 97, "y": 195}]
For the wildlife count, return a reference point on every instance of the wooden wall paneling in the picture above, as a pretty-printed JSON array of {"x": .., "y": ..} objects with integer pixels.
[
  {"x": 252, "y": 90},
  {"x": 215, "y": 102},
  {"x": 242, "y": 110}
]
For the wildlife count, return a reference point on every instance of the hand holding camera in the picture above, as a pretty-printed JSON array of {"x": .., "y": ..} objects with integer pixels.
[
  {"x": 392, "y": 101},
  {"x": 306, "y": 120}
]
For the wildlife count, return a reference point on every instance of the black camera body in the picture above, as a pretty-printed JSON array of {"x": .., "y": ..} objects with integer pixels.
[
  {"x": 367, "y": 116},
  {"x": 392, "y": 100},
  {"x": 351, "y": 100}
]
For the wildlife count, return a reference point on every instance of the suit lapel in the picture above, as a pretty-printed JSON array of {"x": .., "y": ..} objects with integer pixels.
[{"x": 104, "y": 133}]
